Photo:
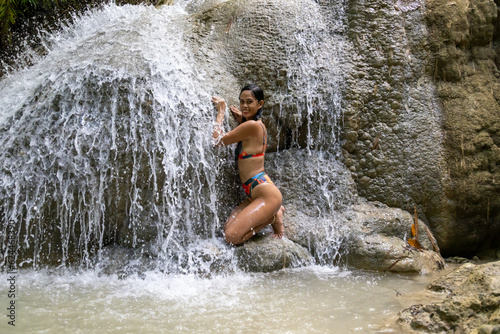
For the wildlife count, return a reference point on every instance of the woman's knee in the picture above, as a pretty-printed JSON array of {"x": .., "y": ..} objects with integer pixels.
[{"x": 232, "y": 235}]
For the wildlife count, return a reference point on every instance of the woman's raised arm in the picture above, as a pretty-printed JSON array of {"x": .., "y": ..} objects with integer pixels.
[{"x": 242, "y": 132}]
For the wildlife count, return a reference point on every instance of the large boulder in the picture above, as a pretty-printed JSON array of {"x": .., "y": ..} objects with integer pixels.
[
  {"x": 368, "y": 235},
  {"x": 465, "y": 46},
  {"x": 378, "y": 240}
]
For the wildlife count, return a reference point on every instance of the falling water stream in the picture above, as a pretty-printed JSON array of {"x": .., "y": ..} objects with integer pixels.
[{"x": 106, "y": 139}]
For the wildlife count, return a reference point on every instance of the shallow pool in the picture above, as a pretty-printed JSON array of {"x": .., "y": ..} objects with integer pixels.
[{"x": 306, "y": 300}]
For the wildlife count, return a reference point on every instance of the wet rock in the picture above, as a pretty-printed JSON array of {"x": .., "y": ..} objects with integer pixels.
[
  {"x": 124, "y": 262},
  {"x": 378, "y": 240},
  {"x": 315, "y": 188},
  {"x": 369, "y": 235},
  {"x": 314, "y": 181},
  {"x": 472, "y": 304},
  {"x": 263, "y": 253},
  {"x": 322, "y": 236},
  {"x": 430, "y": 74}
]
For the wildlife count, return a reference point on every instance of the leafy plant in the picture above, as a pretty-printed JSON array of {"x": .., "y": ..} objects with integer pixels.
[{"x": 10, "y": 10}]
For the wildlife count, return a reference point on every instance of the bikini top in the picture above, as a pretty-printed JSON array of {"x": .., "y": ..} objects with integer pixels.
[{"x": 244, "y": 155}]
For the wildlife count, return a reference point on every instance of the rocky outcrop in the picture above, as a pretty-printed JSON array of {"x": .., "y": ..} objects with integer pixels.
[
  {"x": 366, "y": 235},
  {"x": 421, "y": 114},
  {"x": 465, "y": 42},
  {"x": 265, "y": 253},
  {"x": 378, "y": 241},
  {"x": 472, "y": 304}
]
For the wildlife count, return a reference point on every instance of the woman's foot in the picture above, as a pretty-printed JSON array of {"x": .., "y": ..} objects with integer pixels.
[{"x": 277, "y": 225}]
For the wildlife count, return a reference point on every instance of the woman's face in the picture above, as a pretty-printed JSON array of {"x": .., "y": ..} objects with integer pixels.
[{"x": 249, "y": 104}]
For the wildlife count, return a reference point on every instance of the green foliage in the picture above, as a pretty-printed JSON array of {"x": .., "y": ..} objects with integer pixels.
[
  {"x": 10, "y": 10},
  {"x": 7, "y": 13}
]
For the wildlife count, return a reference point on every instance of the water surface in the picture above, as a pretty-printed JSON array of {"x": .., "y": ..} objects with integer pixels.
[{"x": 307, "y": 300}]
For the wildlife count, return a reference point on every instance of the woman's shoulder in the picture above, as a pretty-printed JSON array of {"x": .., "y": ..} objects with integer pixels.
[
  {"x": 250, "y": 128},
  {"x": 251, "y": 124},
  {"x": 254, "y": 123}
]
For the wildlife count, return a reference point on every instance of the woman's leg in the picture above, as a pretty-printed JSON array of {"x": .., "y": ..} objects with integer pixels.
[
  {"x": 238, "y": 209},
  {"x": 250, "y": 217}
]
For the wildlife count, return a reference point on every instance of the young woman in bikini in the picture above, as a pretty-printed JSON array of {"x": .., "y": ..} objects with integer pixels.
[{"x": 263, "y": 203}]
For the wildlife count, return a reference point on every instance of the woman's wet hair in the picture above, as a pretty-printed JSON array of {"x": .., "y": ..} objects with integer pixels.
[{"x": 258, "y": 93}]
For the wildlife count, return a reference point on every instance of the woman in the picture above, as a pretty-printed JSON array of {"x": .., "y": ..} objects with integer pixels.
[{"x": 263, "y": 204}]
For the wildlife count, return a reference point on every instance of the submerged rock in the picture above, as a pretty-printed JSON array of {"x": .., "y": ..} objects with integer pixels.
[{"x": 472, "y": 306}]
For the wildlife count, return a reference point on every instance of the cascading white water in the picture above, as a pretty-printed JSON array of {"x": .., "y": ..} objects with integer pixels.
[
  {"x": 315, "y": 70},
  {"x": 107, "y": 138},
  {"x": 316, "y": 61}
]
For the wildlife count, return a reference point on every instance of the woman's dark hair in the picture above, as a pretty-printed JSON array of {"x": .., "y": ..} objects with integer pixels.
[{"x": 258, "y": 93}]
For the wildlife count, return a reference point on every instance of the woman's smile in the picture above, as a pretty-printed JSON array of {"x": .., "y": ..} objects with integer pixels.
[{"x": 249, "y": 105}]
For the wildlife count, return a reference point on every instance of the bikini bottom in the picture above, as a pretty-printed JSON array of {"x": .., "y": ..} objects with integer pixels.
[{"x": 254, "y": 181}]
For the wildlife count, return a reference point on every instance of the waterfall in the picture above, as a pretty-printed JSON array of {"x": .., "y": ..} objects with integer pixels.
[
  {"x": 311, "y": 104},
  {"x": 107, "y": 139}
]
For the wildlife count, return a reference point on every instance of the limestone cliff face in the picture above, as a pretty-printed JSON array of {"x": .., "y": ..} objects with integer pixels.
[
  {"x": 417, "y": 85},
  {"x": 422, "y": 113},
  {"x": 465, "y": 43}
]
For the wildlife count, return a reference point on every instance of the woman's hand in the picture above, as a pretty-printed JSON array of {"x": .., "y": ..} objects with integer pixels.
[
  {"x": 220, "y": 104},
  {"x": 236, "y": 114}
]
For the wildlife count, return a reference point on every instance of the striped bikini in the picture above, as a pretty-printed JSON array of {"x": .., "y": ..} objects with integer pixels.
[
  {"x": 244, "y": 155},
  {"x": 261, "y": 177},
  {"x": 254, "y": 181}
]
